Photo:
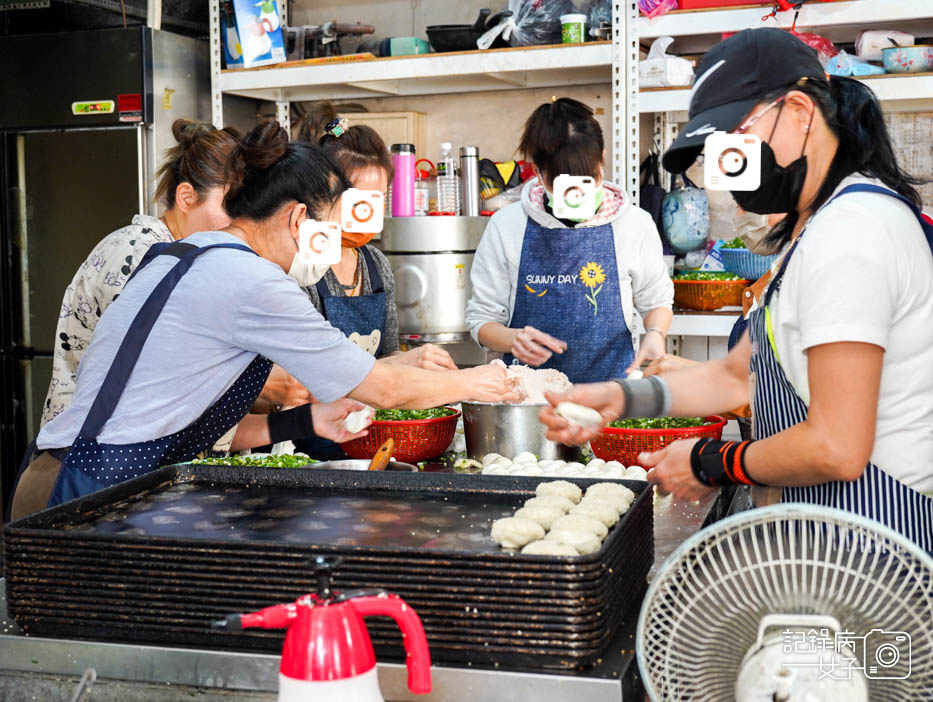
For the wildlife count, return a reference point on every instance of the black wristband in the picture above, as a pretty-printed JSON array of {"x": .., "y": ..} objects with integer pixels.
[
  {"x": 292, "y": 424},
  {"x": 717, "y": 463}
]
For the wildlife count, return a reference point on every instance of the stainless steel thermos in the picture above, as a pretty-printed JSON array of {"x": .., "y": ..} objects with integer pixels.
[{"x": 469, "y": 181}]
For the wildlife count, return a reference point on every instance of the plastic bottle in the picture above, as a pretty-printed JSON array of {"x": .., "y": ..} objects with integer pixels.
[
  {"x": 424, "y": 184},
  {"x": 403, "y": 182},
  {"x": 448, "y": 182}
]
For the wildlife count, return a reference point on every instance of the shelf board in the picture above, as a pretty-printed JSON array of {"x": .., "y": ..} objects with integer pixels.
[
  {"x": 813, "y": 15},
  {"x": 897, "y": 93},
  {"x": 429, "y": 74}
]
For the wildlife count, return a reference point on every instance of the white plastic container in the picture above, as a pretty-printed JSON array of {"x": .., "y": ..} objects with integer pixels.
[
  {"x": 573, "y": 28},
  {"x": 448, "y": 182}
]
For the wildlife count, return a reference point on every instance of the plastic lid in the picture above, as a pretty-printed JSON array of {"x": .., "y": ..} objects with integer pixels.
[
  {"x": 572, "y": 17},
  {"x": 446, "y": 146},
  {"x": 469, "y": 151},
  {"x": 403, "y": 148}
]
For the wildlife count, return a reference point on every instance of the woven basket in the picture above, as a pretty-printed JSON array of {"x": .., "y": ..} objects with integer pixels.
[
  {"x": 624, "y": 445},
  {"x": 415, "y": 439},
  {"x": 708, "y": 294},
  {"x": 746, "y": 264}
]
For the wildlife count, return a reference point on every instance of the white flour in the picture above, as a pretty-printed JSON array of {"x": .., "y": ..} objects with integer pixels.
[{"x": 532, "y": 383}]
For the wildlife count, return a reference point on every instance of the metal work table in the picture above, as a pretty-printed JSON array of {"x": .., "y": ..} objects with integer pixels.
[{"x": 33, "y": 668}]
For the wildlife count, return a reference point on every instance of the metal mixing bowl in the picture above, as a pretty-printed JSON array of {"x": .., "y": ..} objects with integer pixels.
[
  {"x": 509, "y": 430},
  {"x": 355, "y": 464}
]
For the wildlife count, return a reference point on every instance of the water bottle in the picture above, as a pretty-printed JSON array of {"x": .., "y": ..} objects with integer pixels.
[
  {"x": 403, "y": 182},
  {"x": 448, "y": 182},
  {"x": 469, "y": 181}
]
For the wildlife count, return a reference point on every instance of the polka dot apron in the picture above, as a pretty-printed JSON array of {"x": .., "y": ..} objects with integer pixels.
[{"x": 91, "y": 465}]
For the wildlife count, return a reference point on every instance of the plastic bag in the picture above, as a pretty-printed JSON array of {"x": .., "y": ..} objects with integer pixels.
[
  {"x": 597, "y": 12},
  {"x": 656, "y": 8},
  {"x": 824, "y": 48},
  {"x": 662, "y": 70},
  {"x": 844, "y": 64},
  {"x": 537, "y": 21}
]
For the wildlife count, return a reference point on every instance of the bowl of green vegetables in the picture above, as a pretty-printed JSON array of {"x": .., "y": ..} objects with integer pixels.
[
  {"x": 418, "y": 434},
  {"x": 625, "y": 439},
  {"x": 737, "y": 259},
  {"x": 708, "y": 290}
]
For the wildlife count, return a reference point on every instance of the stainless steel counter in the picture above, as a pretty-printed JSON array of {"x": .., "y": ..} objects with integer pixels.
[{"x": 40, "y": 668}]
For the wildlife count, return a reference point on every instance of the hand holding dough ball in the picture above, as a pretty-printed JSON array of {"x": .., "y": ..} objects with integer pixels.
[
  {"x": 561, "y": 488},
  {"x": 635, "y": 375},
  {"x": 355, "y": 422},
  {"x": 582, "y": 416},
  {"x": 550, "y": 501},
  {"x": 581, "y": 521},
  {"x": 584, "y": 541},
  {"x": 545, "y": 516},
  {"x": 512, "y": 532},
  {"x": 549, "y": 548}
]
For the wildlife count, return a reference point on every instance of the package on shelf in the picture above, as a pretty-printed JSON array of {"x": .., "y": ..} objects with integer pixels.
[
  {"x": 252, "y": 33},
  {"x": 869, "y": 44},
  {"x": 661, "y": 69}
]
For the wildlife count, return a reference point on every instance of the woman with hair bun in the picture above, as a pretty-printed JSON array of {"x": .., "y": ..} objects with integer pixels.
[
  {"x": 562, "y": 293},
  {"x": 178, "y": 359},
  {"x": 191, "y": 186}
]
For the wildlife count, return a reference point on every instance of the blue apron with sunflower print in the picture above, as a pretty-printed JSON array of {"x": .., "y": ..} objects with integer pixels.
[{"x": 568, "y": 287}]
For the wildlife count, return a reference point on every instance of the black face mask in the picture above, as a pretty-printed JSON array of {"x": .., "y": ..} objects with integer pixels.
[{"x": 781, "y": 186}]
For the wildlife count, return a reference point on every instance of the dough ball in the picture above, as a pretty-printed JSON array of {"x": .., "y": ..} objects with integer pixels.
[
  {"x": 636, "y": 473},
  {"x": 576, "y": 466},
  {"x": 580, "y": 415},
  {"x": 502, "y": 461},
  {"x": 603, "y": 512},
  {"x": 561, "y": 503},
  {"x": 619, "y": 503},
  {"x": 495, "y": 470},
  {"x": 614, "y": 473},
  {"x": 356, "y": 422},
  {"x": 545, "y": 516},
  {"x": 512, "y": 532},
  {"x": 635, "y": 375},
  {"x": 596, "y": 463},
  {"x": 549, "y": 548},
  {"x": 584, "y": 541},
  {"x": 525, "y": 457},
  {"x": 609, "y": 489},
  {"x": 561, "y": 488},
  {"x": 529, "y": 469},
  {"x": 592, "y": 472},
  {"x": 489, "y": 458},
  {"x": 615, "y": 464},
  {"x": 581, "y": 521}
]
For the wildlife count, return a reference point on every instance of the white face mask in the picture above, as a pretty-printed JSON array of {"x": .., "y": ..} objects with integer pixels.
[
  {"x": 752, "y": 229},
  {"x": 308, "y": 268},
  {"x": 307, "y": 274}
]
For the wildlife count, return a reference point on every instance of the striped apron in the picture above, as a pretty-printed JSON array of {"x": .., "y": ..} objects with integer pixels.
[{"x": 777, "y": 407}]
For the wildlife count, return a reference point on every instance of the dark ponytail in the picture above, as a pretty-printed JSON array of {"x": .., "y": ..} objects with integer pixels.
[
  {"x": 563, "y": 137},
  {"x": 267, "y": 171},
  {"x": 854, "y": 116},
  {"x": 358, "y": 148},
  {"x": 199, "y": 158}
]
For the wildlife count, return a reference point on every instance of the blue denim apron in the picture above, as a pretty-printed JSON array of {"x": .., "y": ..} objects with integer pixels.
[
  {"x": 361, "y": 315},
  {"x": 568, "y": 287},
  {"x": 777, "y": 407},
  {"x": 91, "y": 465}
]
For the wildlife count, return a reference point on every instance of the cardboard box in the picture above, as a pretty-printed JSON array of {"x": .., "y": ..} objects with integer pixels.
[{"x": 251, "y": 33}]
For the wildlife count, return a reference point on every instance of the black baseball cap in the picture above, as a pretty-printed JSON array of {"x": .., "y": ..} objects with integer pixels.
[{"x": 732, "y": 78}]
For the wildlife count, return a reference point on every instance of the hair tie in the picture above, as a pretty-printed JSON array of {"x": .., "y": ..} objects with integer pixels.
[{"x": 338, "y": 127}]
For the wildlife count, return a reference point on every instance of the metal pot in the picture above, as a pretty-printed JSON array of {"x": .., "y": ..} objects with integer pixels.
[
  {"x": 509, "y": 430},
  {"x": 354, "y": 464},
  {"x": 431, "y": 259}
]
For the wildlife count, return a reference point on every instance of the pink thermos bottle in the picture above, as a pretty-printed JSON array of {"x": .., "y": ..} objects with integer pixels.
[{"x": 403, "y": 182}]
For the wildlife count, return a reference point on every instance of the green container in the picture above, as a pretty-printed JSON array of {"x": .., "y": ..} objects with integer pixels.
[
  {"x": 408, "y": 46},
  {"x": 573, "y": 28}
]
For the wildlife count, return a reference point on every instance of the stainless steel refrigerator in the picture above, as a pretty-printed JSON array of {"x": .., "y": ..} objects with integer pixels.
[{"x": 85, "y": 118}]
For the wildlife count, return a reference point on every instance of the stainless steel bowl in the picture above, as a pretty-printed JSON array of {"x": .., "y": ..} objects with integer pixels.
[
  {"x": 354, "y": 464},
  {"x": 509, "y": 430}
]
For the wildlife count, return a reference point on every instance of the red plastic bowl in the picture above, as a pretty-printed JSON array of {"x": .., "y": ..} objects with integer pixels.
[
  {"x": 624, "y": 445},
  {"x": 415, "y": 439}
]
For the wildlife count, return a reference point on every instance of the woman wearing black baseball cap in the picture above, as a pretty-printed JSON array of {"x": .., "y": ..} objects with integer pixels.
[{"x": 838, "y": 358}]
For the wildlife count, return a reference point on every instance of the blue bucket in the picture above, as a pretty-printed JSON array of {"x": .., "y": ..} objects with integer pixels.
[{"x": 746, "y": 264}]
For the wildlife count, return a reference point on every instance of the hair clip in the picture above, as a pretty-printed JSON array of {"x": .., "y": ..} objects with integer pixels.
[{"x": 338, "y": 127}]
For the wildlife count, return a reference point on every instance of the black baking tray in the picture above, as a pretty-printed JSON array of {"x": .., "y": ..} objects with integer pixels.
[{"x": 478, "y": 602}]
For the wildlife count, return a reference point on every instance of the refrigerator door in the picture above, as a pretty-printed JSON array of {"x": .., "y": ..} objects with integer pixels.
[{"x": 75, "y": 188}]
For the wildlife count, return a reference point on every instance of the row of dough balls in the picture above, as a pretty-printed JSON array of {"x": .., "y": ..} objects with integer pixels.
[
  {"x": 561, "y": 521},
  {"x": 528, "y": 464}
]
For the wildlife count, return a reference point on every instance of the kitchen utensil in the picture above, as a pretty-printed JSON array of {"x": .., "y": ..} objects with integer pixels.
[
  {"x": 327, "y": 653},
  {"x": 625, "y": 445},
  {"x": 510, "y": 430},
  {"x": 431, "y": 258},
  {"x": 383, "y": 455},
  {"x": 319, "y": 40},
  {"x": 469, "y": 181},
  {"x": 82, "y": 569},
  {"x": 415, "y": 440},
  {"x": 363, "y": 464},
  {"x": 403, "y": 181},
  {"x": 746, "y": 264},
  {"x": 907, "y": 59},
  {"x": 799, "y": 590},
  {"x": 458, "y": 37},
  {"x": 708, "y": 295}
]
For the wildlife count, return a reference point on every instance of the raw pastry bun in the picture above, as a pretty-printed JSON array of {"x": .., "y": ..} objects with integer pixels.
[
  {"x": 513, "y": 532},
  {"x": 355, "y": 422},
  {"x": 562, "y": 503},
  {"x": 582, "y": 416},
  {"x": 584, "y": 541},
  {"x": 561, "y": 488},
  {"x": 549, "y": 548},
  {"x": 545, "y": 516},
  {"x": 581, "y": 521}
]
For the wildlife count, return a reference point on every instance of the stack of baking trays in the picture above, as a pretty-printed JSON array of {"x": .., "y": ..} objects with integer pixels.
[{"x": 158, "y": 558}]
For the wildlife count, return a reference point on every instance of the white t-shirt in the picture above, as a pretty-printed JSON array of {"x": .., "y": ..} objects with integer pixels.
[{"x": 863, "y": 272}]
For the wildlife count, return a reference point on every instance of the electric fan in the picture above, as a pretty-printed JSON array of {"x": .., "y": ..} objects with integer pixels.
[{"x": 790, "y": 603}]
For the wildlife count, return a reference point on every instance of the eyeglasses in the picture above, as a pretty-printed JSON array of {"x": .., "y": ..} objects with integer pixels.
[{"x": 750, "y": 122}]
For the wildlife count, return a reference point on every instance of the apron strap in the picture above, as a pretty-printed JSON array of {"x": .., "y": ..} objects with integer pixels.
[
  {"x": 375, "y": 280},
  {"x": 136, "y": 336},
  {"x": 178, "y": 249}
]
